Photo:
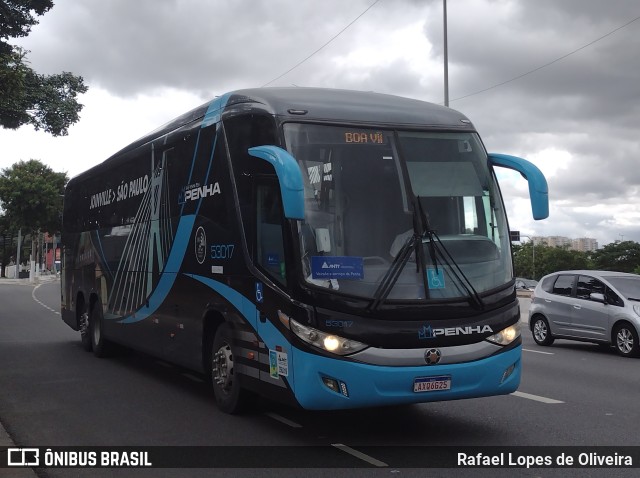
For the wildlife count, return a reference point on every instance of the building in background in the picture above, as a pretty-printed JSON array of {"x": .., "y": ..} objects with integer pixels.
[{"x": 582, "y": 244}]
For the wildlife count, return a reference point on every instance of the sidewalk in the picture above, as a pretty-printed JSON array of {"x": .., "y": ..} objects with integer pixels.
[
  {"x": 5, "y": 440},
  {"x": 38, "y": 280}
]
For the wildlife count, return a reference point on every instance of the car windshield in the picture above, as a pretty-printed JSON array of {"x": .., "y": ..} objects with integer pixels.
[
  {"x": 629, "y": 287},
  {"x": 372, "y": 195}
]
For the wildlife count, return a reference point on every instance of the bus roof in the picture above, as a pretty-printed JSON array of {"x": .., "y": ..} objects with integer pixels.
[
  {"x": 322, "y": 105},
  {"x": 349, "y": 106}
]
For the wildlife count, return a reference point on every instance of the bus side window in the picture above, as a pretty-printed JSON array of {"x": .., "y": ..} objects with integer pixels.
[{"x": 269, "y": 242}]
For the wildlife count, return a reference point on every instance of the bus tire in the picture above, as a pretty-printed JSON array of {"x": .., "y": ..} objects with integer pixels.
[
  {"x": 85, "y": 335},
  {"x": 230, "y": 396},
  {"x": 99, "y": 344}
]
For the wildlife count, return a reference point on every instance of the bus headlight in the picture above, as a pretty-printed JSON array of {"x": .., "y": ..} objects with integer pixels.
[
  {"x": 324, "y": 341},
  {"x": 505, "y": 336}
]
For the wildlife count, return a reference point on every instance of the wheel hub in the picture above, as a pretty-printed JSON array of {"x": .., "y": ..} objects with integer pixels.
[
  {"x": 84, "y": 324},
  {"x": 625, "y": 341},
  {"x": 540, "y": 331},
  {"x": 222, "y": 370}
]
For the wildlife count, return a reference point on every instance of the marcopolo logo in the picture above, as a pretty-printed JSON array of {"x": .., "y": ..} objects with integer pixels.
[
  {"x": 201, "y": 245},
  {"x": 428, "y": 332}
]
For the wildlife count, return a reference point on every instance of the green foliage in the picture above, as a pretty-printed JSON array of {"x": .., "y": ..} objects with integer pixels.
[
  {"x": 621, "y": 257},
  {"x": 16, "y": 17},
  {"x": 547, "y": 260},
  {"x": 31, "y": 196},
  {"x": 47, "y": 102}
]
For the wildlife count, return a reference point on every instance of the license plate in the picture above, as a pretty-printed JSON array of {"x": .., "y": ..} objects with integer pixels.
[{"x": 432, "y": 384}]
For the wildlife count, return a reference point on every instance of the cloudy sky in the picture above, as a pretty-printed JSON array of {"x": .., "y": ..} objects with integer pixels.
[{"x": 554, "y": 81}]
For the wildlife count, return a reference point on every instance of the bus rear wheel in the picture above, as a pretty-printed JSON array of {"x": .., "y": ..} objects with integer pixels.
[
  {"x": 99, "y": 344},
  {"x": 230, "y": 396},
  {"x": 84, "y": 331}
]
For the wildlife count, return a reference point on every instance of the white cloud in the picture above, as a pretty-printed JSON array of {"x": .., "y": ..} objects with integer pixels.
[{"x": 576, "y": 119}]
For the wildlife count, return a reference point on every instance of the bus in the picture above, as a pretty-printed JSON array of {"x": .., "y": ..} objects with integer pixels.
[{"x": 328, "y": 249}]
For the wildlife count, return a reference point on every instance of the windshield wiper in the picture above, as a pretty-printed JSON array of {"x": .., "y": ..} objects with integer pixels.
[
  {"x": 633, "y": 298},
  {"x": 392, "y": 274},
  {"x": 436, "y": 247},
  {"x": 422, "y": 230}
]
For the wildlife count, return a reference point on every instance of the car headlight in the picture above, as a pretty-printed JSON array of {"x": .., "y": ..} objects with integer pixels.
[
  {"x": 505, "y": 336},
  {"x": 323, "y": 340},
  {"x": 636, "y": 308}
]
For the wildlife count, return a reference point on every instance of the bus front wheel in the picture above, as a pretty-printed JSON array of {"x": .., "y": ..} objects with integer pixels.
[{"x": 229, "y": 395}]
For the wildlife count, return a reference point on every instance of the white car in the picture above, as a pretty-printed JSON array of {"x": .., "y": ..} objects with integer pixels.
[{"x": 591, "y": 306}]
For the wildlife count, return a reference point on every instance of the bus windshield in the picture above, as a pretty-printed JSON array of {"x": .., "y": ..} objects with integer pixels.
[{"x": 373, "y": 194}]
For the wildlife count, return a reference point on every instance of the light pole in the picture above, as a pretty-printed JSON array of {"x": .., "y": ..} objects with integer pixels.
[
  {"x": 533, "y": 254},
  {"x": 446, "y": 54}
]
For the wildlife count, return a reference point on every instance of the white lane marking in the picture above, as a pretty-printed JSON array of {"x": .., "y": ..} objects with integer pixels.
[
  {"x": 537, "y": 398},
  {"x": 359, "y": 454},
  {"x": 284, "y": 420},
  {"x": 538, "y": 352},
  {"x": 33, "y": 295}
]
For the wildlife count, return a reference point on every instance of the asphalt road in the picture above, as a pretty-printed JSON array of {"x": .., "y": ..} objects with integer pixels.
[{"x": 53, "y": 393}]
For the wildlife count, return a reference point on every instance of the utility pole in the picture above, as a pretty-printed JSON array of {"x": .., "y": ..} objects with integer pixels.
[
  {"x": 533, "y": 253},
  {"x": 18, "y": 254},
  {"x": 446, "y": 54}
]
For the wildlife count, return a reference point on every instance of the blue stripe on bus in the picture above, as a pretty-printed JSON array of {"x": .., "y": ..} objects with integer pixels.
[
  {"x": 245, "y": 306},
  {"x": 193, "y": 162},
  {"x": 170, "y": 272},
  {"x": 214, "y": 112},
  {"x": 206, "y": 178}
]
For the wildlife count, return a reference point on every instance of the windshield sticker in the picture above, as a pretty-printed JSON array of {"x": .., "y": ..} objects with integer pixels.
[
  {"x": 273, "y": 259},
  {"x": 337, "y": 267},
  {"x": 435, "y": 279}
]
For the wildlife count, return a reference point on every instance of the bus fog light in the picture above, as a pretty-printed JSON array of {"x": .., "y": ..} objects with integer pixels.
[
  {"x": 506, "y": 336},
  {"x": 508, "y": 371},
  {"x": 337, "y": 386},
  {"x": 331, "y": 383}
]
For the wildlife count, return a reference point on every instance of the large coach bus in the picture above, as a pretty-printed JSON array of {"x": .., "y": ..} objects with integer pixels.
[{"x": 329, "y": 249}]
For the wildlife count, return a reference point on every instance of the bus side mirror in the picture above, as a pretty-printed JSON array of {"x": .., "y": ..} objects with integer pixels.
[
  {"x": 289, "y": 177},
  {"x": 538, "y": 189}
]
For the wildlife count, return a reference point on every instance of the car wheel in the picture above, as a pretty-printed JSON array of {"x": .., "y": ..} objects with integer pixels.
[
  {"x": 99, "y": 344},
  {"x": 230, "y": 396},
  {"x": 541, "y": 332},
  {"x": 625, "y": 340}
]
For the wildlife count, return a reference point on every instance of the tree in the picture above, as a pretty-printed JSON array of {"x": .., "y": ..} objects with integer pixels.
[
  {"x": 547, "y": 260},
  {"x": 46, "y": 102},
  {"x": 31, "y": 196},
  {"x": 618, "y": 256}
]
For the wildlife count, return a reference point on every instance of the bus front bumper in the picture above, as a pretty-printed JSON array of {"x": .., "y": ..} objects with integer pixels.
[{"x": 322, "y": 383}]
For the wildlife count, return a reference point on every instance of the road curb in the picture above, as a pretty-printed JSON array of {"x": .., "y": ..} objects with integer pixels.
[
  {"x": 36, "y": 281},
  {"x": 6, "y": 440}
]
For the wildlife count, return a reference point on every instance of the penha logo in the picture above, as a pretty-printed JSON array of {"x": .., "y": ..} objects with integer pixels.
[
  {"x": 428, "y": 332},
  {"x": 193, "y": 192}
]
